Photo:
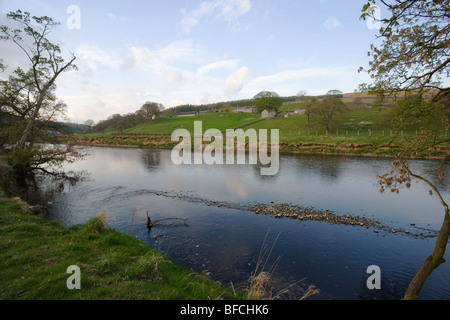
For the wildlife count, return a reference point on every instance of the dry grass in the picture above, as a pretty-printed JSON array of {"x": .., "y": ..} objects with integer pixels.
[
  {"x": 98, "y": 224},
  {"x": 260, "y": 285},
  {"x": 312, "y": 290}
]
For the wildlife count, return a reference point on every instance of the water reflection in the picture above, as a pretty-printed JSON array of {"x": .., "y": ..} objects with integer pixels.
[
  {"x": 322, "y": 165},
  {"x": 151, "y": 159},
  {"x": 225, "y": 243},
  {"x": 44, "y": 188},
  {"x": 237, "y": 187}
]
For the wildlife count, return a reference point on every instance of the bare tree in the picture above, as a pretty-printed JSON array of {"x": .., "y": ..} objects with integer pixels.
[
  {"x": 327, "y": 109},
  {"x": 150, "y": 111},
  {"x": 335, "y": 93},
  {"x": 47, "y": 64},
  {"x": 28, "y": 96},
  {"x": 302, "y": 95},
  {"x": 89, "y": 122},
  {"x": 310, "y": 108}
]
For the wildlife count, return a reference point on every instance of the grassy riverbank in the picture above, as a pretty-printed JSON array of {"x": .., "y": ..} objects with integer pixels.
[
  {"x": 358, "y": 132},
  {"x": 374, "y": 146},
  {"x": 35, "y": 254}
]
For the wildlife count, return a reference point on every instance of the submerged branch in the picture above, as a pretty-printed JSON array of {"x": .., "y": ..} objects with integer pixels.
[{"x": 151, "y": 223}]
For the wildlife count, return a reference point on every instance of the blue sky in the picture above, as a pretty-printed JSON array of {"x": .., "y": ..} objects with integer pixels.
[{"x": 199, "y": 51}]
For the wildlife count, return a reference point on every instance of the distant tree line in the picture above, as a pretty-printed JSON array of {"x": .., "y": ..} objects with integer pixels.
[{"x": 149, "y": 111}]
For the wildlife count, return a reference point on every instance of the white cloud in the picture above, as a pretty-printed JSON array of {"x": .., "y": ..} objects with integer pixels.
[
  {"x": 222, "y": 10},
  {"x": 238, "y": 80},
  {"x": 98, "y": 102},
  {"x": 173, "y": 55},
  {"x": 203, "y": 99},
  {"x": 137, "y": 56},
  {"x": 224, "y": 64},
  {"x": 173, "y": 79},
  {"x": 112, "y": 16},
  {"x": 94, "y": 57},
  {"x": 292, "y": 75},
  {"x": 230, "y": 10},
  {"x": 332, "y": 23},
  {"x": 289, "y": 82}
]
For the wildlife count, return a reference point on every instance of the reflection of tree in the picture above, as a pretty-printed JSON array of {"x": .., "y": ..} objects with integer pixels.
[
  {"x": 325, "y": 166},
  {"x": 151, "y": 159},
  {"x": 43, "y": 188},
  {"x": 441, "y": 181},
  {"x": 266, "y": 178}
]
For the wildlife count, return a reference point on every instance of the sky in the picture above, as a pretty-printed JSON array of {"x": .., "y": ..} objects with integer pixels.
[{"x": 178, "y": 52}]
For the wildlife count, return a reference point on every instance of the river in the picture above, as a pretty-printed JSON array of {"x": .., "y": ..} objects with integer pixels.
[{"x": 226, "y": 242}]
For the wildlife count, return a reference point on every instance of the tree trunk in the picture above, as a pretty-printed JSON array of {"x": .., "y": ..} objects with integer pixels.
[
  {"x": 432, "y": 262},
  {"x": 35, "y": 114},
  {"x": 40, "y": 101}
]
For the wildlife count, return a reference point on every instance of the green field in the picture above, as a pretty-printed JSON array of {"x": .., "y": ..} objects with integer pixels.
[
  {"x": 356, "y": 123},
  {"x": 357, "y": 131},
  {"x": 221, "y": 121}
]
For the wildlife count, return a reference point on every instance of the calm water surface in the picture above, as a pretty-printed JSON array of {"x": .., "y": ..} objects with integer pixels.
[{"x": 225, "y": 243}]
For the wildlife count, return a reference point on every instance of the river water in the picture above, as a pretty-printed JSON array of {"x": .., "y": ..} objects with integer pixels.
[{"x": 228, "y": 243}]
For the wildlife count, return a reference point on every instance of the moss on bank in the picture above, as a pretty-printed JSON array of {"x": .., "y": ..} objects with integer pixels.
[{"x": 35, "y": 254}]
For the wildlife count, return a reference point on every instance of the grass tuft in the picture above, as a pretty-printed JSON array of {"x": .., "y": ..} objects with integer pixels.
[
  {"x": 259, "y": 286},
  {"x": 97, "y": 225}
]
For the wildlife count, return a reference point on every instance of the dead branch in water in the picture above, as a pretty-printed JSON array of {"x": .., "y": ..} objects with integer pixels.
[{"x": 151, "y": 222}]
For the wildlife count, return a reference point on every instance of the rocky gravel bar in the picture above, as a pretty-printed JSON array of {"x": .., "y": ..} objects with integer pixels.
[
  {"x": 298, "y": 213},
  {"x": 304, "y": 214}
]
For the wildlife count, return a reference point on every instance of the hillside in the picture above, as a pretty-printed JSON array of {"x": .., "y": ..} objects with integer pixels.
[
  {"x": 221, "y": 121},
  {"x": 359, "y": 130},
  {"x": 361, "y": 119}
]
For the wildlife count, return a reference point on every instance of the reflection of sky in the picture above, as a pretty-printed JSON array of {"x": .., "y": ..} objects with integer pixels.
[{"x": 340, "y": 184}]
